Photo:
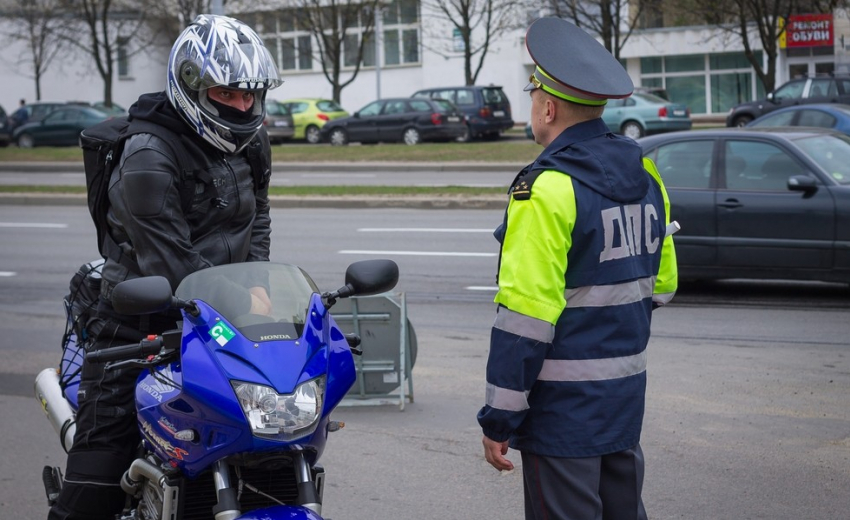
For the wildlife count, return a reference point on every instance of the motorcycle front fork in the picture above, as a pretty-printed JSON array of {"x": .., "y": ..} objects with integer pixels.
[{"x": 228, "y": 503}]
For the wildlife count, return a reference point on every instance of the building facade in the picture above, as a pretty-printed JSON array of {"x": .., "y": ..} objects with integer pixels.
[{"x": 414, "y": 47}]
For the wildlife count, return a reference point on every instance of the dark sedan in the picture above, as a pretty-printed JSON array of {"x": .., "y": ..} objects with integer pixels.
[
  {"x": 758, "y": 203},
  {"x": 61, "y": 127},
  {"x": 410, "y": 121}
]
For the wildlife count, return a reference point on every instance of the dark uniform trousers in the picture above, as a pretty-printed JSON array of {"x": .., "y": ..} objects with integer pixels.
[
  {"x": 607, "y": 487},
  {"x": 107, "y": 438}
]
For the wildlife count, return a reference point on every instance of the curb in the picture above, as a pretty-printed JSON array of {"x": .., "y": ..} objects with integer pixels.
[{"x": 285, "y": 202}]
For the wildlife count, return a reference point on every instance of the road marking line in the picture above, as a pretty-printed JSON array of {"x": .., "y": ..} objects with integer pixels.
[
  {"x": 482, "y": 288},
  {"x": 424, "y": 230},
  {"x": 412, "y": 253},
  {"x": 335, "y": 175},
  {"x": 8, "y": 273},
  {"x": 31, "y": 225}
]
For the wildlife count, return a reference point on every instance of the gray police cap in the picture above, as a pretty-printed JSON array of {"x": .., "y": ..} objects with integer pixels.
[{"x": 572, "y": 65}]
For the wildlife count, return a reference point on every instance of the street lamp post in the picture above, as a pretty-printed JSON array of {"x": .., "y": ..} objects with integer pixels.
[{"x": 379, "y": 34}]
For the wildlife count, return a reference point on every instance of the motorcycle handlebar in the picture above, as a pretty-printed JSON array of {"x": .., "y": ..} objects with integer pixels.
[{"x": 148, "y": 346}]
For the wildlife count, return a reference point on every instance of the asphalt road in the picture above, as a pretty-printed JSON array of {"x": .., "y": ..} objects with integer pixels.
[
  {"x": 746, "y": 416},
  {"x": 308, "y": 175}
]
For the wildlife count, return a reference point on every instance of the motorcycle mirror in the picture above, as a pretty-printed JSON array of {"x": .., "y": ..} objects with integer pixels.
[
  {"x": 365, "y": 278},
  {"x": 145, "y": 295},
  {"x": 371, "y": 276}
]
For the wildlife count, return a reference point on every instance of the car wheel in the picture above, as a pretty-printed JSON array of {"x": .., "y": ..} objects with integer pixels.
[
  {"x": 467, "y": 135},
  {"x": 742, "y": 120},
  {"x": 338, "y": 137},
  {"x": 411, "y": 136},
  {"x": 632, "y": 129},
  {"x": 312, "y": 134},
  {"x": 25, "y": 141}
]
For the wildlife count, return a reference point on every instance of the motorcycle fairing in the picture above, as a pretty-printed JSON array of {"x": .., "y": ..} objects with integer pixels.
[{"x": 204, "y": 402}]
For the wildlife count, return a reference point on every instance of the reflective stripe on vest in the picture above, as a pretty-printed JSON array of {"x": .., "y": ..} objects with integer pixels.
[
  {"x": 504, "y": 399},
  {"x": 524, "y": 326},
  {"x": 609, "y": 295},
  {"x": 663, "y": 298},
  {"x": 592, "y": 369}
]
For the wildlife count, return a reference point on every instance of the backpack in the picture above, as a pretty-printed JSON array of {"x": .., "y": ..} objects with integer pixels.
[{"x": 103, "y": 145}]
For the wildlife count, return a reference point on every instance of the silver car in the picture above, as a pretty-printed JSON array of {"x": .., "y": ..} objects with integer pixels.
[{"x": 278, "y": 122}]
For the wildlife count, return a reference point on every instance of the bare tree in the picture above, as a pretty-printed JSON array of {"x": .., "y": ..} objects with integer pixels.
[
  {"x": 107, "y": 27},
  {"x": 342, "y": 29},
  {"x": 613, "y": 21},
  {"x": 38, "y": 24},
  {"x": 758, "y": 19},
  {"x": 478, "y": 23}
]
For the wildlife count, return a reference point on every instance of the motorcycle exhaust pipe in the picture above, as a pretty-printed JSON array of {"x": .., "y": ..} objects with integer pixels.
[{"x": 55, "y": 406}]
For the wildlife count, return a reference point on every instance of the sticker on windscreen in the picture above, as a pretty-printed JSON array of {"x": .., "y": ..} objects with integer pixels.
[
  {"x": 221, "y": 333},
  {"x": 838, "y": 176}
]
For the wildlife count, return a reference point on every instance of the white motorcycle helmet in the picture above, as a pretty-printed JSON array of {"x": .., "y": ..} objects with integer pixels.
[{"x": 220, "y": 51}]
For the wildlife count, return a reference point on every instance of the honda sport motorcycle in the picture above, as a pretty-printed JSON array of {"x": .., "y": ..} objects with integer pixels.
[{"x": 233, "y": 407}]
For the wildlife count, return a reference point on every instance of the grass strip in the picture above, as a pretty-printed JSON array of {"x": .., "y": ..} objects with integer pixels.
[{"x": 510, "y": 151}]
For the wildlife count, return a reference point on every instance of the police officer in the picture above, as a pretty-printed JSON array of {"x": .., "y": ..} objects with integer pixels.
[{"x": 584, "y": 260}]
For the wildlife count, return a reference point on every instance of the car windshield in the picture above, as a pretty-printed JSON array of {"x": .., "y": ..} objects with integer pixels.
[
  {"x": 831, "y": 152},
  {"x": 329, "y": 106},
  {"x": 493, "y": 95},
  {"x": 443, "y": 106},
  {"x": 227, "y": 289},
  {"x": 649, "y": 98}
]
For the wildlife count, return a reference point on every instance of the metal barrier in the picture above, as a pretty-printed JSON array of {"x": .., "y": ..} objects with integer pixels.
[{"x": 384, "y": 371}]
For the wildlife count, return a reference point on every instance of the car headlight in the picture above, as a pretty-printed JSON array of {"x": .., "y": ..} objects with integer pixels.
[{"x": 282, "y": 417}]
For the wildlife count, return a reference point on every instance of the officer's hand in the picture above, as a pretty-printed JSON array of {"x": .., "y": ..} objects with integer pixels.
[
  {"x": 495, "y": 453},
  {"x": 260, "y": 302}
]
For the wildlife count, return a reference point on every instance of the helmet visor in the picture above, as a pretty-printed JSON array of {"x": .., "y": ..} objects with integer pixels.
[{"x": 245, "y": 67}]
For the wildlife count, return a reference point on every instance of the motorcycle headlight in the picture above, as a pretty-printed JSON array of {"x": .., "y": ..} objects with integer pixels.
[{"x": 282, "y": 416}]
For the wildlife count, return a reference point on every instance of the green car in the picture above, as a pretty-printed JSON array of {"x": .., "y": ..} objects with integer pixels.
[
  {"x": 642, "y": 114},
  {"x": 310, "y": 114},
  {"x": 60, "y": 127}
]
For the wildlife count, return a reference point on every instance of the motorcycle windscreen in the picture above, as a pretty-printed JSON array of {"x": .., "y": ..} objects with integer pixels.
[{"x": 265, "y": 301}]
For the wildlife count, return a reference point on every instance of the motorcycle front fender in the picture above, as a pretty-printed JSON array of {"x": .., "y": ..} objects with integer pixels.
[{"x": 281, "y": 513}]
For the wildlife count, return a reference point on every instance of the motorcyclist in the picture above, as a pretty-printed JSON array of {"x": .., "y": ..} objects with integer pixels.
[{"x": 218, "y": 74}]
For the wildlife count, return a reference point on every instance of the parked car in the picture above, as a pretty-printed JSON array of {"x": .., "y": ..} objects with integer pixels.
[
  {"x": 60, "y": 127},
  {"x": 758, "y": 202},
  {"x": 5, "y": 129},
  {"x": 114, "y": 110},
  {"x": 278, "y": 122},
  {"x": 410, "y": 121},
  {"x": 643, "y": 114},
  {"x": 828, "y": 115},
  {"x": 32, "y": 112},
  {"x": 310, "y": 114},
  {"x": 486, "y": 109},
  {"x": 802, "y": 91}
]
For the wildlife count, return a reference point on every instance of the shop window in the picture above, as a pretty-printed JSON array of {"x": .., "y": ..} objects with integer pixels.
[
  {"x": 650, "y": 65},
  {"x": 728, "y": 90},
  {"x": 689, "y": 90},
  {"x": 729, "y": 60},
  {"x": 684, "y": 63}
]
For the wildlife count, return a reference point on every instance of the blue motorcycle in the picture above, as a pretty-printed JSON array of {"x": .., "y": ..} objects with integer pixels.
[{"x": 233, "y": 407}]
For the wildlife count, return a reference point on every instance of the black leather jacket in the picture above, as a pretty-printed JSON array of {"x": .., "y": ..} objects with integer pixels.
[{"x": 146, "y": 216}]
